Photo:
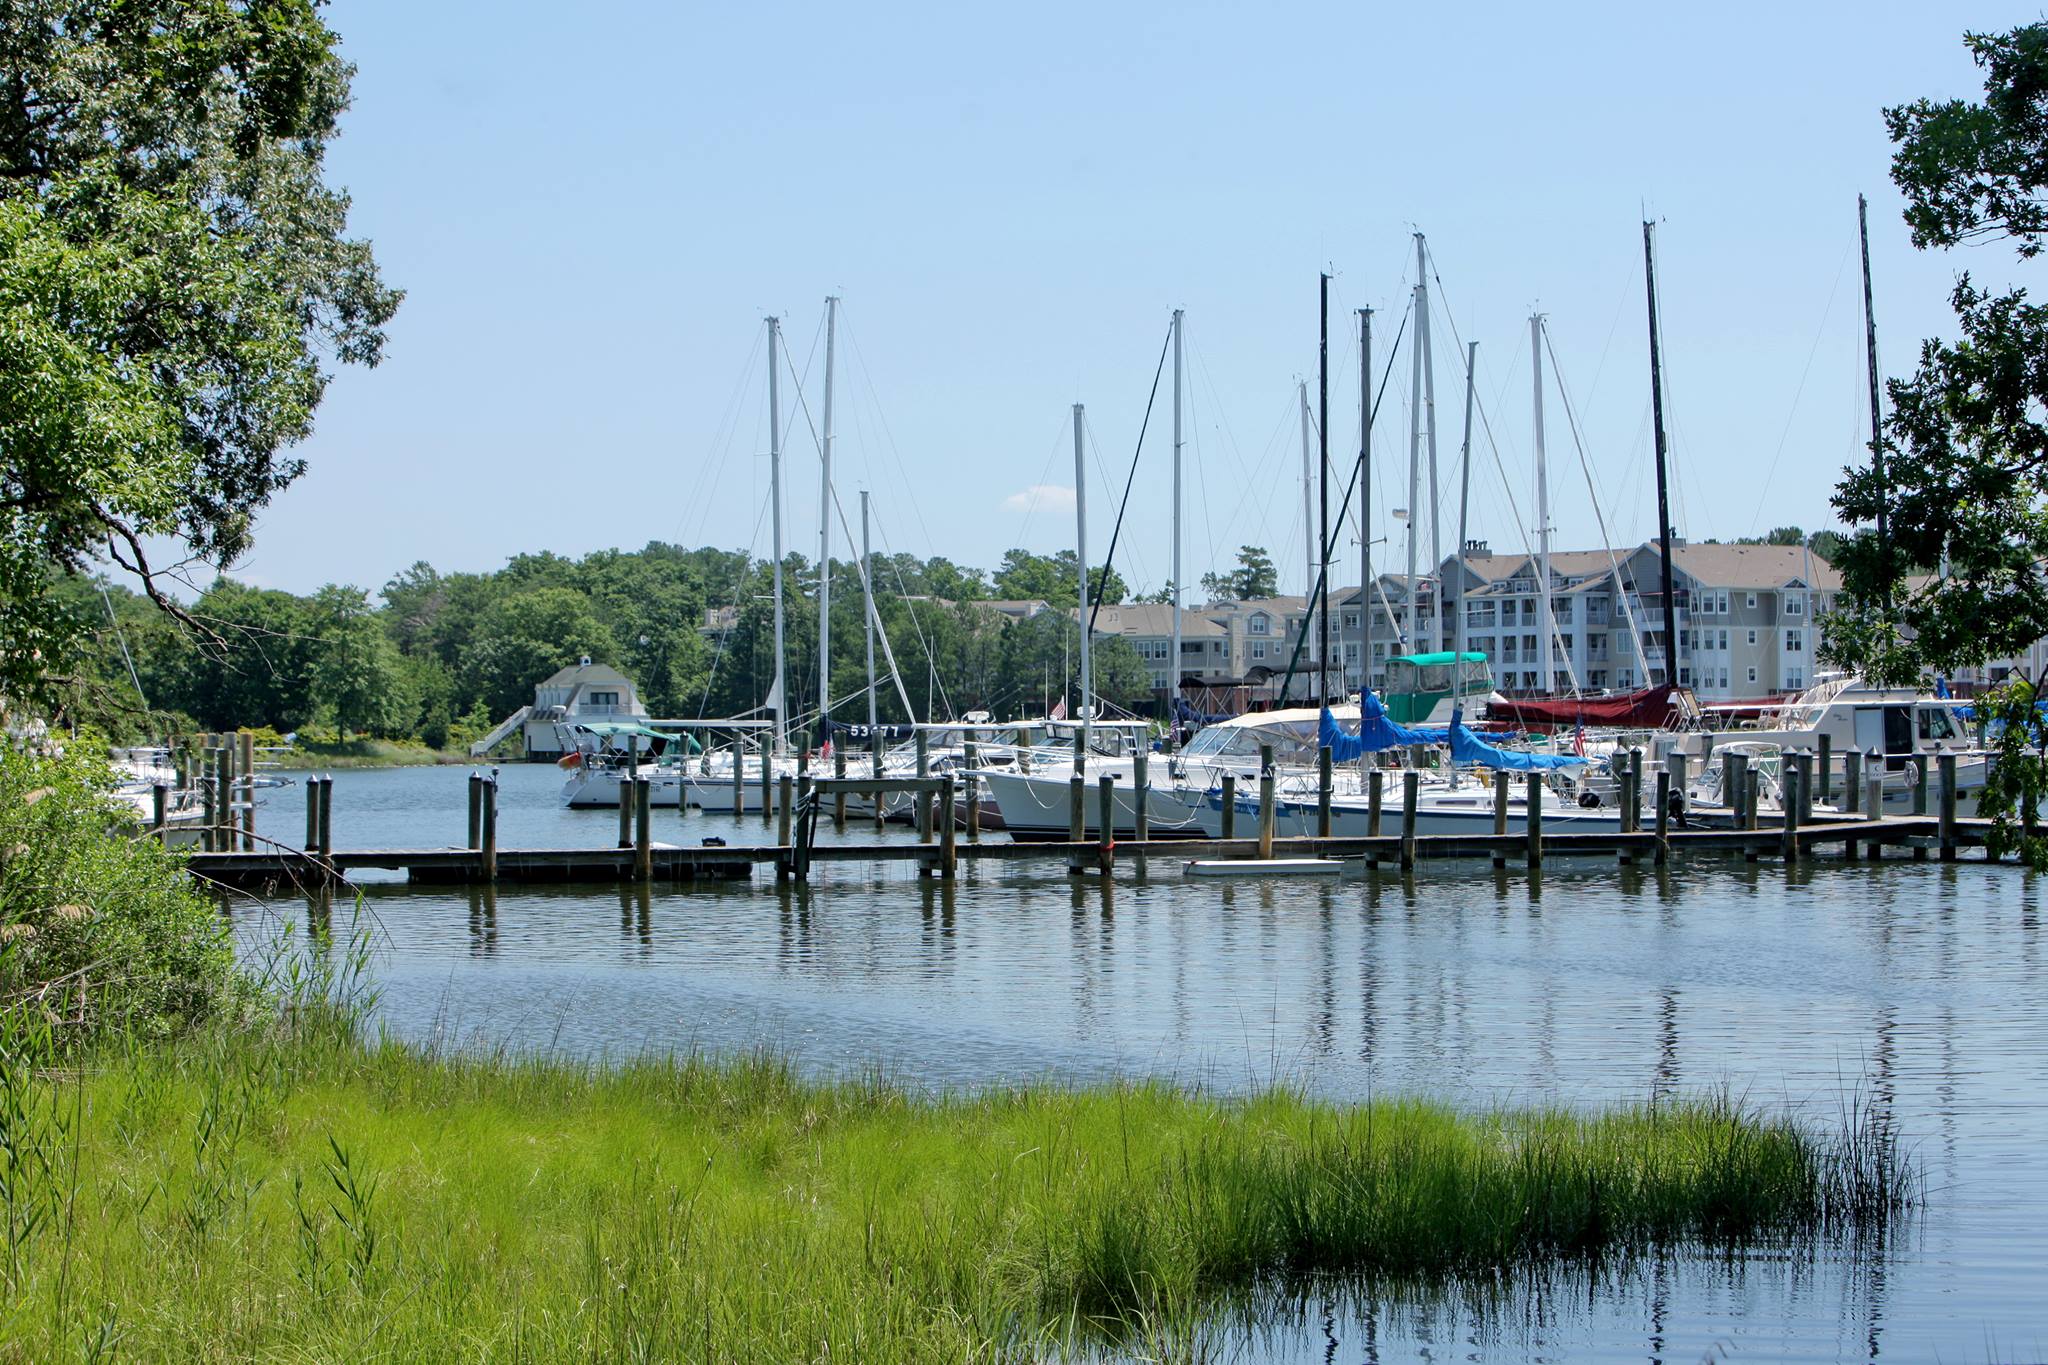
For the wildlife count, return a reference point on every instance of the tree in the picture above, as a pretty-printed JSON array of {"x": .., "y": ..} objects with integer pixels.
[
  {"x": 1024, "y": 576},
  {"x": 1965, "y": 447},
  {"x": 175, "y": 281},
  {"x": 357, "y": 675},
  {"x": 523, "y": 640},
  {"x": 1254, "y": 577}
]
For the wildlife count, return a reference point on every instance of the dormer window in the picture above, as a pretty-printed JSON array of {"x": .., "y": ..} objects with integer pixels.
[{"x": 1260, "y": 624}]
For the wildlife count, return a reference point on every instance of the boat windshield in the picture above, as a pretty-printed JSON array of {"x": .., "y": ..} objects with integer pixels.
[
  {"x": 1936, "y": 723},
  {"x": 1290, "y": 745}
]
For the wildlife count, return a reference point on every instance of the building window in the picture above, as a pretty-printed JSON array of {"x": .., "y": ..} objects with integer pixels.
[
  {"x": 1724, "y": 639},
  {"x": 1752, "y": 673},
  {"x": 1752, "y": 640},
  {"x": 1597, "y": 678},
  {"x": 1685, "y": 677},
  {"x": 1794, "y": 606},
  {"x": 1751, "y": 603},
  {"x": 1351, "y": 651},
  {"x": 1795, "y": 642},
  {"x": 1259, "y": 624},
  {"x": 1258, "y": 649},
  {"x": 604, "y": 699},
  {"x": 1351, "y": 620},
  {"x": 1529, "y": 644}
]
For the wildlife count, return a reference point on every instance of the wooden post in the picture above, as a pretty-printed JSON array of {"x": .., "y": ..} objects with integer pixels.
[
  {"x": 223, "y": 821},
  {"x": 1825, "y": 785},
  {"x": 1265, "y": 801},
  {"x": 1947, "y": 808},
  {"x": 1077, "y": 794},
  {"x": 1806, "y": 788},
  {"x": 1873, "y": 802},
  {"x": 949, "y": 857},
  {"x": 632, "y": 758},
  {"x": 1793, "y": 780},
  {"x": 1920, "y": 799},
  {"x": 767, "y": 785},
  {"x": 1753, "y": 789},
  {"x": 476, "y": 811},
  {"x": 626, "y": 798},
  {"x": 1411, "y": 792},
  {"x": 248, "y": 765},
  {"x": 924, "y": 800},
  {"x": 875, "y": 771},
  {"x": 838, "y": 798},
  {"x": 1230, "y": 805},
  {"x": 739, "y": 773},
  {"x": 1680, "y": 770},
  {"x": 159, "y": 800},
  {"x": 1852, "y": 780},
  {"x": 1735, "y": 788},
  {"x": 1501, "y": 784},
  {"x": 1141, "y": 796},
  {"x": 1323, "y": 792},
  {"x": 971, "y": 797},
  {"x": 643, "y": 833},
  {"x": 1663, "y": 816},
  {"x": 1105, "y": 811},
  {"x": 1533, "y": 818},
  {"x": 1375, "y": 800},
  {"x": 784, "y": 796},
  {"x": 489, "y": 854}
]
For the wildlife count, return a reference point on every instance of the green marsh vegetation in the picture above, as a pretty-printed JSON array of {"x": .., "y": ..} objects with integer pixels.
[{"x": 246, "y": 1170}]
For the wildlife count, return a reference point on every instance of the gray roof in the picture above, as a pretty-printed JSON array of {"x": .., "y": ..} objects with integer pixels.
[{"x": 574, "y": 674}]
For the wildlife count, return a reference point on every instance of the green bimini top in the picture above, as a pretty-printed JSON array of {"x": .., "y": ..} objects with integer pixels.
[{"x": 1470, "y": 656}]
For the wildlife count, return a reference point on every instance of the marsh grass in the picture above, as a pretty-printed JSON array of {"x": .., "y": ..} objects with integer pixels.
[{"x": 302, "y": 1191}]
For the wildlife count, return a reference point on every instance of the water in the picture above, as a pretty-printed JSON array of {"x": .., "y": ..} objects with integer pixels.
[{"x": 1917, "y": 987}]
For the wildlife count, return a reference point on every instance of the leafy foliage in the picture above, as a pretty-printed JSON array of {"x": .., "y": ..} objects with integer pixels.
[
  {"x": 1254, "y": 577},
  {"x": 2016, "y": 781},
  {"x": 174, "y": 281}
]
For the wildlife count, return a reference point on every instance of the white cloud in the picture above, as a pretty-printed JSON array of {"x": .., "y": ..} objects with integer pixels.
[{"x": 1041, "y": 497}]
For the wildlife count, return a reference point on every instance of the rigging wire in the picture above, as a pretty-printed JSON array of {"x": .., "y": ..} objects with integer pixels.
[
  {"x": 1130, "y": 479},
  {"x": 1827, "y": 311},
  {"x": 1621, "y": 590}
]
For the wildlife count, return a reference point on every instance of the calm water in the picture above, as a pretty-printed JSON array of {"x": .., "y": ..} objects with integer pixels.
[{"x": 1919, "y": 987}]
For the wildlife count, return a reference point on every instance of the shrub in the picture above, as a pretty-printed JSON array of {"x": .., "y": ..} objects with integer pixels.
[{"x": 100, "y": 931}]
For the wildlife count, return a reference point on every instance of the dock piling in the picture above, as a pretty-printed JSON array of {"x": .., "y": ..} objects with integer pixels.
[
  {"x": 1141, "y": 799},
  {"x": 247, "y": 755},
  {"x": 785, "y": 788},
  {"x": 1375, "y": 801},
  {"x": 1946, "y": 811},
  {"x": 839, "y": 798},
  {"x": 1663, "y": 824},
  {"x": 1500, "y": 813},
  {"x": 1735, "y": 788},
  {"x": 1793, "y": 792},
  {"x": 1752, "y": 789},
  {"x": 159, "y": 800},
  {"x": 643, "y": 829},
  {"x": 1873, "y": 801},
  {"x": 1265, "y": 801},
  {"x": 221, "y": 835},
  {"x": 1105, "y": 811},
  {"x": 949, "y": 857},
  {"x": 923, "y": 799},
  {"x": 767, "y": 789},
  {"x": 1826, "y": 786},
  {"x": 971, "y": 797},
  {"x": 487, "y": 855},
  {"x": 1919, "y": 800},
  {"x": 627, "y": 797},
  {"x": 1077, "y": 794},
  {"x": 1533, "y": 818},
  {"x": 1852, "y": 780},
  {"x": 1323, "y": 792},
  {"x": 1229, "y": 806},
  {"x": 739, "y": 774},
  {"x": 476, "y": 812},
  {"x": 1411, "y": 789}
]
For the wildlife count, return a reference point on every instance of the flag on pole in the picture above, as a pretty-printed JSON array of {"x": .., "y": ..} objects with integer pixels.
[
  {"x": 1579, "y": 737},
  {"x": 1059, "y": 708}
]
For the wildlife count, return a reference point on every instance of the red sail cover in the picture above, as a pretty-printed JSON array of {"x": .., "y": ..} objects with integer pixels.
[{"x": 1651, "y": 708}]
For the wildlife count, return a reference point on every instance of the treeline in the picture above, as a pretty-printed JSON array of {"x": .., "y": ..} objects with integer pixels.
[{"x": 439, "y": 657}]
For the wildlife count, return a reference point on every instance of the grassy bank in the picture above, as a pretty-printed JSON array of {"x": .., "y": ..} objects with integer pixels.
[
  {"x": 366, "y": 753},
  {"x": 309, "y": 1196}
]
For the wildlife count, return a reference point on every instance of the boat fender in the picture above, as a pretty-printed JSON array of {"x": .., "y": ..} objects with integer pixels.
[
  {"x": 568, "y": 761},
  {"x": 1590, "y": 800}
]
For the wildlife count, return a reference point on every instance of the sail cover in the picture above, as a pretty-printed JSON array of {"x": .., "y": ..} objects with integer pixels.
[
  {"x": 1375, "y": 732},
  {"x": 1651, "y": 708},
  {"x": 1467, "y": 747}
]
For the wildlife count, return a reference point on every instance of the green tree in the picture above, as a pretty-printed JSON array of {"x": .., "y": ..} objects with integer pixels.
[
  {"x": 357, "y": 676},
  {"x": 1254, "y": 577},
  {"x": 1053, "y": 578},
  {"x": 525, "y": 638},
  {"x": 258, "y": 673},
  {"x": 174, "y": 277}
]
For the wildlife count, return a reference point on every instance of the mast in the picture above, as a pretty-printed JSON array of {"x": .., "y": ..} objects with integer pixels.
[
  {"x": 1663, "y": 495},
  {"x": 1174, "y": 667},
  {"x": 1365, "y": 494},
  {"x": 1546, "y": 681},
  {"x": 1464, "y": 507},
  {"x": 1308, "y": 510},
  {"x": 1436, "y": 544},
  {"x": 1414, "y": 463},
  {"x": 1321, "y": 587},
  {"x": 1876, "y": 411},
  {"x": 867, "y": 594},
  {"x": 777, "y": 698},
  {"x": 825, "y": 526},
  {"x": 1081, "y": 546}
]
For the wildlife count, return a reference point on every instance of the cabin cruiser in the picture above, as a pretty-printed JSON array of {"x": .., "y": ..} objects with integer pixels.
[
  {"x": 601, "y": 757},
  {"x": 138, "y": 772}
]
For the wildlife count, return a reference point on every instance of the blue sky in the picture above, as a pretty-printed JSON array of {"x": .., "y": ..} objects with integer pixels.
[{"x": 592, "y": 210}]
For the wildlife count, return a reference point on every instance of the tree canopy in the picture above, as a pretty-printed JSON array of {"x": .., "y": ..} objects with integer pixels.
[
  {"x": 175, "y": 283},
  {"x": 1965, "y": 470}
]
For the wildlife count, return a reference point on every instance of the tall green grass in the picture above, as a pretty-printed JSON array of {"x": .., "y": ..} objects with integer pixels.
[{"x": 301, "y": 1192}]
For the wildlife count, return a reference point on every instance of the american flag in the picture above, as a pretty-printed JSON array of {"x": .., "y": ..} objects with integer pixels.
[
  {"x": 1579, "y": 737},
  {"x": 1059, "y": 708}
]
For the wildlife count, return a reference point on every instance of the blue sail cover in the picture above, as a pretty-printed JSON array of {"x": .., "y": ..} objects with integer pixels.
[
  {"x": 1467, "y": 747},
  {"x": 1375, "y": 732}
]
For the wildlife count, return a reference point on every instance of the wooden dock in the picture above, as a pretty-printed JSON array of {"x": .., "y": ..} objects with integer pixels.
[{"x": 941, "y": 847}]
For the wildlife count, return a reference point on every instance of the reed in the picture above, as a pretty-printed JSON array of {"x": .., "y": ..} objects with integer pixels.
[{"x": 305, "y": 1192}]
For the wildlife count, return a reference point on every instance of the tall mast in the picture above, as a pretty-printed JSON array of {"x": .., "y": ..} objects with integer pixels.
[
  {"x": 825, "y": 526},
  {"x": 1321, "y": 584},
  {"x": 1308, "y": 508},
  {"x": 777, "y": 695},
  {"x": 1464, "y": 508},
  {"x": 1546, "y": 680},
  {"x": 867, "y": 595},
  {"x": 1081, "y": 546},
  {"x": 1876, "y": 411},
  {"x": 1663, "y": 495},
  {"x": 1413, "y": 639},
  {"x": 1436, "y": 544},
  {"x": 1174, "y": 666},
  {"x": 1366, "y": 584}
]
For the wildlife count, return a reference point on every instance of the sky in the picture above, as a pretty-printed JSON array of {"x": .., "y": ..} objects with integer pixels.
[{"x": 592, "y": 211}]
